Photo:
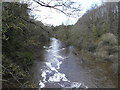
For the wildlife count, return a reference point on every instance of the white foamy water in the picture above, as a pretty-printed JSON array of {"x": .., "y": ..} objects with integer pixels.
[
  {"x": 73, "y": 85},
  {"x": 41, "y": 84},
  {"x": 50, "y": 66},
  {"x": 51, "y": 73},
  {"x": 57, "y": 77}
]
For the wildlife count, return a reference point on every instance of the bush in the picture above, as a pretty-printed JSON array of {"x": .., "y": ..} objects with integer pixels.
[
  {"x": 89, "y": 46},
  {"x": 13, "y": 74},
  {"x": 25, "y": 58},
  {"x": 115, "y": 67},
  {"x": 107, "y": 39},
  {"x": 94, "y": 32},
  {"x": 107, "y": 48},
  {"x": 104, "y": 28}
]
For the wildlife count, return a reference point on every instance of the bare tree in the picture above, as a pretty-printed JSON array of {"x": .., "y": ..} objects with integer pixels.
[{"x": 68, "y": 7}]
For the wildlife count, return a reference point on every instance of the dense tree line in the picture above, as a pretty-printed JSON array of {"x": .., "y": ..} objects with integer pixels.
[
  {"x": 95, "y": 32},
  {"x": 20, "y": 36},
  {"x": 98, "y": 21}
]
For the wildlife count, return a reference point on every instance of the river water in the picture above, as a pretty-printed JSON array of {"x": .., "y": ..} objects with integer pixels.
[{"x": 60, "y": 68}]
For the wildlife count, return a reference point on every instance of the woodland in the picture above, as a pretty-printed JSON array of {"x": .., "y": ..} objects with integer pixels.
[{"x": 95, "y": 37}]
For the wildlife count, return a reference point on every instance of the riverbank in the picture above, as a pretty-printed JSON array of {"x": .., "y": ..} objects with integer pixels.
[
  {"x": 101, "y": 70},
  {"x": 57, "y": 62},
  {"x": 59, "y": 68}
]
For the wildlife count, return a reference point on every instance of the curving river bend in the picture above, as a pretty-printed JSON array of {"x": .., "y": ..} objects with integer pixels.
[{"x": 60, "y": 68}]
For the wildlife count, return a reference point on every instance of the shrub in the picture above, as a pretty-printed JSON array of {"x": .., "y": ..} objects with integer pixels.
[
  {"x": 115, "y": 67},
  {"x": 94, "y": 31},
  {"x": 107, "y": 39},
  {"x": 107, "y": 47},
  {"x": 25, "y": 58},
  {"x": 104, "y": 28},
  {"x": 14, "y": 76}
]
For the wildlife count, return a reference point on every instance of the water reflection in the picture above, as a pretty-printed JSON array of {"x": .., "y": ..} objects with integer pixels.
[{"x": 51, "y": 73}]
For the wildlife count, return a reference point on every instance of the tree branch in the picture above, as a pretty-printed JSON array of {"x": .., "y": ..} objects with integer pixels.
[
  {"x": 67, "y": 6},
  {"x": 37, "y": 25}
]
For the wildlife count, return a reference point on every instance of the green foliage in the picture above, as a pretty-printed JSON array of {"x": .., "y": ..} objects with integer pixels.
[
  {"x": 107, "y": 47},
  {"x": 14, "y": 76},
  {"x": 18, "y": 36},
  {"x": 94, "y": 32},
  {"x": 13, "y": 68},
  {"x": 108, "y": 39},
  {"x": 25, "y": 58},
  {"x": 104, "y": 28},
  {"x": 63, "y": 33}
]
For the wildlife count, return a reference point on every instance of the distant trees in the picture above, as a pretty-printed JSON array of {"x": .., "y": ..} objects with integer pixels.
[
  {"x": 98, "y": 25},
  {"x": 20, "y": 35},
  {"x": 103, "y": 18},
  {"x": 63, "y": 33}
]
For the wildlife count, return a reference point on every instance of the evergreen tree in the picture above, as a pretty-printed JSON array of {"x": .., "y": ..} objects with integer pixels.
[
  {"x": 104, "y": 28},
  {"x": 94, "y": 32}
]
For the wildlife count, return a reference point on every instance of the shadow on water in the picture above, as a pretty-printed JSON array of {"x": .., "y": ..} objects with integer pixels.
[{"x": 60, "y": 68}]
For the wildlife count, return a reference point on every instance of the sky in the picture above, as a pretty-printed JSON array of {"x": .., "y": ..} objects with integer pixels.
[{"x": 52, "y": 17}]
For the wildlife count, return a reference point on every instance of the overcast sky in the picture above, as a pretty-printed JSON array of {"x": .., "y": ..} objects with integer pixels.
[{"x": 50, "y": 16}]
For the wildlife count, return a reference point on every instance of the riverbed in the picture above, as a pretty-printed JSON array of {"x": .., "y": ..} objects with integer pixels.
[{"x": 60, "y": 68}]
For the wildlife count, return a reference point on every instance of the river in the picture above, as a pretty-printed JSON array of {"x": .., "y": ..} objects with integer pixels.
[{"x": 60, "y": 68}]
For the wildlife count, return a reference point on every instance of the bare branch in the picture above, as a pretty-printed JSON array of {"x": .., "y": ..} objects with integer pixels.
[
  {"x": 37, "y": 25},
  {"x": 11, "y": 74},
  {"x": 68, "y": 7}
]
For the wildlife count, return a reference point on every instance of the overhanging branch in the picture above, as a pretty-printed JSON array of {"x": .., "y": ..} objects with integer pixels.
[{"x": 28, "y": 21}]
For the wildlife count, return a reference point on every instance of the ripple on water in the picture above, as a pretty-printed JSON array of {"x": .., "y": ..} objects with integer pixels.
[
  {"x": 57, "y": 77},
  {"x": 73, "y": 85},
  {"x": 54, "y": 76},
  {"x": 51, "y": 74}
]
